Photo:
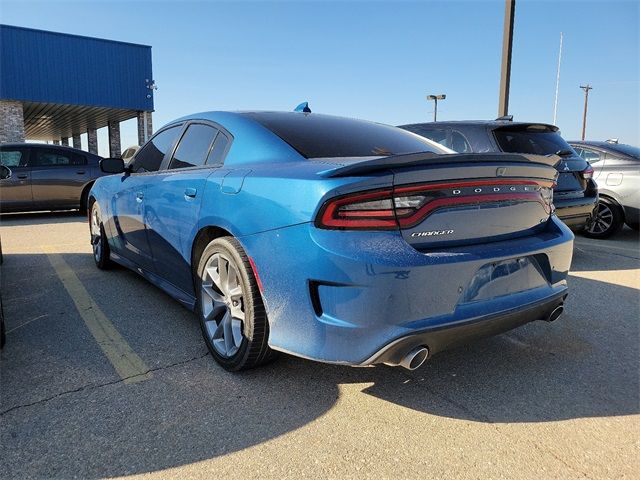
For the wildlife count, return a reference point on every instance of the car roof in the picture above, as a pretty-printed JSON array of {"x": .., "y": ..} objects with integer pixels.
[
  {"x": 488, "y": 123},
  {"x": 46, "y": 145}
]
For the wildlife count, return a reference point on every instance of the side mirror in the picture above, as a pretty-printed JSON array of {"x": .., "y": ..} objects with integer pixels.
[
  {"x": 5, "y": 172},
  {"x": 112, "y": 165}
]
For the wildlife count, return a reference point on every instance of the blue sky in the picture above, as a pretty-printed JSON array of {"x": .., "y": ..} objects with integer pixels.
[{"x": 373, "y": 60}]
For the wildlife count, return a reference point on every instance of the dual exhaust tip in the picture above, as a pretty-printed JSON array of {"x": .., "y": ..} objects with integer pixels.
[{"x": 416, "y": 357}]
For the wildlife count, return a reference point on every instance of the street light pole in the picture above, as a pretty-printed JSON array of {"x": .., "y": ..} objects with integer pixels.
[
  {"x": 507, "y": 47},
  {"x": 435, "y": 98},
  {"x": 586, "y": 89}
]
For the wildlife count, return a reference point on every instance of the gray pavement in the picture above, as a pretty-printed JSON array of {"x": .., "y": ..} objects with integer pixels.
[{"x": 556, "y": 400}]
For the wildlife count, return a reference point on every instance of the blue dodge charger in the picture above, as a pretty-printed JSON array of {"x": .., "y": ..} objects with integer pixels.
[{"x": 333, "y": 239}]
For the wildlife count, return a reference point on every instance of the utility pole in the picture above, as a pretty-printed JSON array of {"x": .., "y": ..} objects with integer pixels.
[
  {"x": 555, "y": 103},
  {"x": 435, "y": 98},
  {"x": 586, "y": 89},
  {"x": 507, "y": 44}
]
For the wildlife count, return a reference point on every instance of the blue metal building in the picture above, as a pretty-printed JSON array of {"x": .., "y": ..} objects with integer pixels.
[{"x": 54, "y": 86}]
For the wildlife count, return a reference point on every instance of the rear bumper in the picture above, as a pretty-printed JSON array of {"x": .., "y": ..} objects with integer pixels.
[
  {"x": 343, "y": 296},
  {"x": 575, "y": 212},
  {"x": 444, "y": 337}
]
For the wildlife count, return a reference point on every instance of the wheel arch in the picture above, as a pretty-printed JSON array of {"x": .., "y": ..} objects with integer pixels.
[{"x": 204, "y": 236}]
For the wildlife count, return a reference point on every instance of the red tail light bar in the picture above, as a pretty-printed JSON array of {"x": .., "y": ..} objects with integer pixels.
[{"x": 404, "y": 207}]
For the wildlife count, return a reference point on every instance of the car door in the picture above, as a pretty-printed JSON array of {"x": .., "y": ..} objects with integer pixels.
[
  {"x": 58, "y": 177},
  {"x": 128, "y": 204},
  {"x": 15, "y": 192},
  {"x": 172, "y": 203}
]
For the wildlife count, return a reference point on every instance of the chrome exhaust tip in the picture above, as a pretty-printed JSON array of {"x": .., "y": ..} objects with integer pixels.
[
  {"x": 415, "y": 358},
  {"x": 555, "y": 313}
]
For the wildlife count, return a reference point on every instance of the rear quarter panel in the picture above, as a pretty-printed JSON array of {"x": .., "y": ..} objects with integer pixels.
[{"x": 271, "y": 196}]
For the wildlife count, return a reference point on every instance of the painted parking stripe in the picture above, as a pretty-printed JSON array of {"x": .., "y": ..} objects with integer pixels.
[{"x": 126, "y": 363}]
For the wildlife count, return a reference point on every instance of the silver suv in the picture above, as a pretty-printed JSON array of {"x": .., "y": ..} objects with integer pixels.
[{"x": 616, "y": 169}]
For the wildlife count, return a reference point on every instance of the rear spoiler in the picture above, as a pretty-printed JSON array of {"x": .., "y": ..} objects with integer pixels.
[{"x": 429, "y": 158}]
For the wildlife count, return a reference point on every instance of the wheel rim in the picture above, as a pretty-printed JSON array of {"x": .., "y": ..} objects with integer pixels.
[
  {"x": 96, "y": 234},
  {"x": 601, "y": 220},
  {"x": 223, "y": 305}
]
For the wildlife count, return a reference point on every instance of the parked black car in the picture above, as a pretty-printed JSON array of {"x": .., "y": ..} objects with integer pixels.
[
  {"x": 46, "y": 177},
  {"x": 617, "y": 171},
  {"x": 576, "y": 194}
]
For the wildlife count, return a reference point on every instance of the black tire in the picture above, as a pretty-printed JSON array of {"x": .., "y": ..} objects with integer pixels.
[
  {"x": 99, "y": 244},
  {"x": 607, "y": 219},
  {"x": 251, "y": 348}
]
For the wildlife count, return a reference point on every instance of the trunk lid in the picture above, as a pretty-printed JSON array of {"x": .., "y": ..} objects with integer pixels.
[{"x": 448, "y": 200}]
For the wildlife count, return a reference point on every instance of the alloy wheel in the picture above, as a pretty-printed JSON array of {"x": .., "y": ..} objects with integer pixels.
[
  {"x": 223, "y": 304},
  {"x": 602, "y": 219}
]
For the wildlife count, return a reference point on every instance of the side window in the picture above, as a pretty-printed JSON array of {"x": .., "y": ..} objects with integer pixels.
[
  {"x": 194, "y": 146},
  {"x": 459, "y": 143},
  {"x": 590, "y": 156},
  {"x": 13, "y": 158},
  {"x": 149, "y": 158},
  {"x": 217, "y": 154},
  {"x": 43, "y": 157}
]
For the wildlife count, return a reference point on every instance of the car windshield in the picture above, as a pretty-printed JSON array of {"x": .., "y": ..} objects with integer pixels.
[
  {"x": 530, "y": 141},
  {"x": 626, "y": 149},
  {"x": 324, "y": 136}
]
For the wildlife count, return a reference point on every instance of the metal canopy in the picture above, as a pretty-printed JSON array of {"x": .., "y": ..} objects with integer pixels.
[{"x": 50, "y": 121}]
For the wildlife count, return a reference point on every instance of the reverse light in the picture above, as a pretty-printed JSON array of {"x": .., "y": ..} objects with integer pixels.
[
  {"x": 587, "y": 173},
  {"x": 406, "y": 206}
]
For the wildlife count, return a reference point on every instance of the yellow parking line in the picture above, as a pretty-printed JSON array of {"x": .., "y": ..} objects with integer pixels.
[{"x": 127, "y": 364}]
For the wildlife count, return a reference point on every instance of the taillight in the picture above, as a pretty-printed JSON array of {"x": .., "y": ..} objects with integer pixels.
[
  {"x": 406, "y": 206},
  {"x": 587, "y": 173},
  {"x": 370, "y": 210}
]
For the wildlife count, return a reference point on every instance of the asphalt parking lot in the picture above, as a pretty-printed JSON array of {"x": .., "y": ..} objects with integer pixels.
[{"x": 103, "y": 375}]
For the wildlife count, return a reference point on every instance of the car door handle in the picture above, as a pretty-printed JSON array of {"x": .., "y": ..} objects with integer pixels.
[
  {"x": 80, "y": 172},
  {"x": 139, "y": 197},
  {"x": 23, "y": 176},
  {"x": 190, "y": 192}
]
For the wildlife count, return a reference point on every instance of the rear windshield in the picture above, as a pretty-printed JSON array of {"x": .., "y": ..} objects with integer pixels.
[
  {"x": 530, "y": 141},
  {"x": 323, "y": 136}
]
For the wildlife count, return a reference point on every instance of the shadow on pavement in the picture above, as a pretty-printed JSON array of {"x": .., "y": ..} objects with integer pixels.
[
  {"x": 40, "y": 218},
  {"x": 583, "y": 365}
]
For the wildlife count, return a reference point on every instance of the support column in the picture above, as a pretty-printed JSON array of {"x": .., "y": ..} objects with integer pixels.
[
  {"x": 115, "y": 149},
  {"x": 149, "y": 125},
  {"x": 77, "y": 142},
  {"x": 56, "y": 142},
  {"x": 92, "y": 140},
  {"x": 65, "y": 141},
  {"x": 142, "y": 138},
  {"x": 145, "y": 127},
  {"x": 11, "y": 122}
]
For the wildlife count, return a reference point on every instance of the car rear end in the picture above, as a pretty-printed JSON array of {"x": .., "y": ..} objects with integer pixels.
[
  {"x": 407, "y": 255},
  {"x": 576, "y": 193}
]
